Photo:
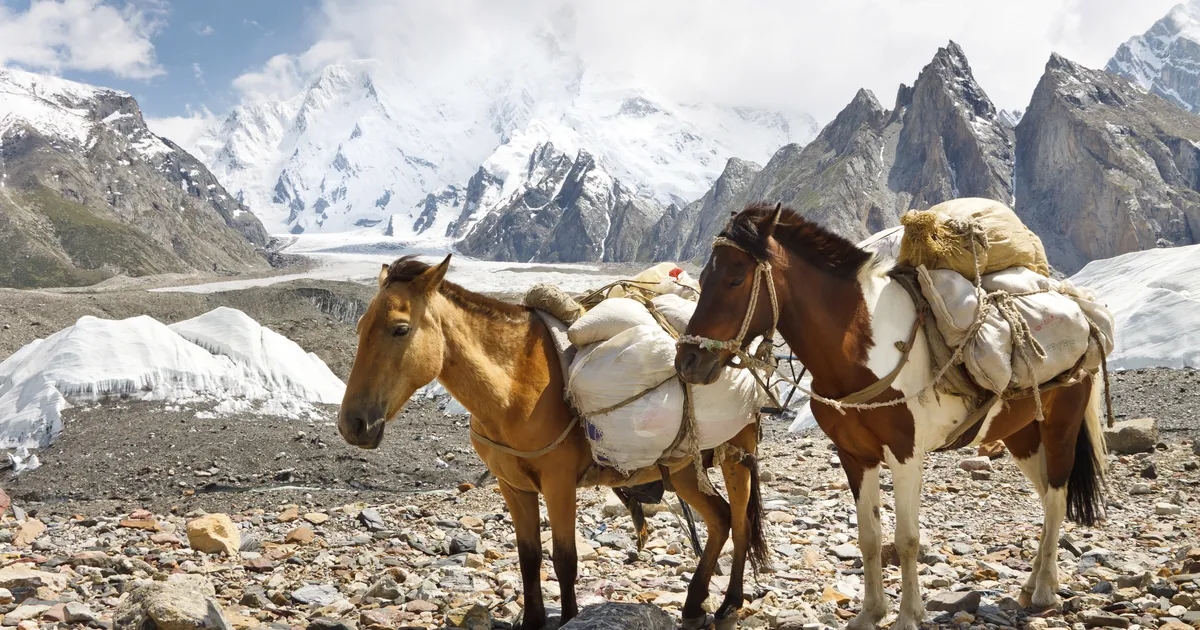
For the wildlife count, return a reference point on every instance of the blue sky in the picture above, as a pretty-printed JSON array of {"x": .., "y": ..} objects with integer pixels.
[{"x": 200, "y": 47}]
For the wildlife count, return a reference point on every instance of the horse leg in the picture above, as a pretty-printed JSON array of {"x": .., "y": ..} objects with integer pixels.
[
  {"x": 907, "y": 478},
  {"x": 1026, "y": 448},
  {"x": 715, "y": 512},
  {"x": 560, "y": 508},
  {"x": 523, "y": 506},
  {"x": 870, "y": 541},
  {"x": 745, "y": 501}
]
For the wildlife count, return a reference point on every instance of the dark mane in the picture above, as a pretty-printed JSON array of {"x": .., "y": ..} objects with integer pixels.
[
  {"x": 407, "y": 268},
  {"x": 816, "y": 245}
]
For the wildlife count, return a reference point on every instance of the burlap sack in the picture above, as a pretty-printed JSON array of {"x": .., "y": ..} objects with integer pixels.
[
  {"x": 940, "y": 238},
  {"x": 953, "y": 301}
]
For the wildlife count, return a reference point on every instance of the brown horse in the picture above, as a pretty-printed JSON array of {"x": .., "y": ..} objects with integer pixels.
[
  {"x": 499, "y": 361},
  {"x": 842, "y": 313}
]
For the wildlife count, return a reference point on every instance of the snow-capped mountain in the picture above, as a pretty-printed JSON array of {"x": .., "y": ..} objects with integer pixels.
[
  {"x": 87, "y": 191},
  {"x": 1166, "y": 59},
  {"x": 366, "y": 146}
]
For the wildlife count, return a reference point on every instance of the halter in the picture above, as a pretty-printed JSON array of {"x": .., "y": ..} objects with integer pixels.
[{"x": 765, "y": 350}]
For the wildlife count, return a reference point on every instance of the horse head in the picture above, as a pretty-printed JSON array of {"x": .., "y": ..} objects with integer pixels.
[
  {"x": 400, "y": 350},
  {"x": 736, "y": 288}
]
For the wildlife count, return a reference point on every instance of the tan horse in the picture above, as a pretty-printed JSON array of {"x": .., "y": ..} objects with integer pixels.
[
  {"x": 843, "y": 314},
  {"x": 499, "y": 361}
]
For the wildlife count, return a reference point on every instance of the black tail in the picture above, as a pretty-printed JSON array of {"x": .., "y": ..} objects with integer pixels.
[
  {"x": 758, "y": 553},
  {"x": 1085, "y": 486},
  {"x": 691, "y": 522}
]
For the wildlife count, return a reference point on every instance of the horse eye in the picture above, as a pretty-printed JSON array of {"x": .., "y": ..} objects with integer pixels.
[
  {"x": 737, "y": 281},
  {"x": 400, "y": 330}
]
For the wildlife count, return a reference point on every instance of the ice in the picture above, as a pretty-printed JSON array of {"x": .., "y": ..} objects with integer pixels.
[
  {"x": 223, "y": 356},
  {"x": 1154, "y": 295}
]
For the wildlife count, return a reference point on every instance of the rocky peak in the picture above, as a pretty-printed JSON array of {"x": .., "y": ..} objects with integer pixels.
[
  {"x": 1104, "y": 168},
  {"x": 1165, "y": 60}
]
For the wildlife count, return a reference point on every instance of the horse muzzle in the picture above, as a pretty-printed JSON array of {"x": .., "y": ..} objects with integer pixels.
[
  {"x": 697, "y": 366},
  {"x": 364, "y": 430}
]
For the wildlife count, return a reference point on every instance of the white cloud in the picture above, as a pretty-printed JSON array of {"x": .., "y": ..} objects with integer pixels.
[
  {"x": 808, "y": 55},
  {"x": 86, "y": 35},
  {"x": 186, "y": 131},
  {"x": 203, "y": 29}
]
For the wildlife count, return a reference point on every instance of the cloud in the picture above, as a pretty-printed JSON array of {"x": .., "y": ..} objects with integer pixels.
[
  {"x": 203, "y": 29},
  {"x": 805, "y": 55},
  {"x": 84, "y": 35},
  {"x": 186, "y": 131}
]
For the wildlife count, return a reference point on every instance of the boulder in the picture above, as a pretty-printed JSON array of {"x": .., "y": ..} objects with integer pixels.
[
  {"x": 214, "y": 533},
  {"x": 1132, "y": 436},
  {"x": 616, "y": 616},
  {"x": 182, "y": 602}
]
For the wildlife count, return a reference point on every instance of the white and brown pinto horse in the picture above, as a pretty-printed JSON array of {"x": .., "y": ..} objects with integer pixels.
[{"x": 842, "y": 313}]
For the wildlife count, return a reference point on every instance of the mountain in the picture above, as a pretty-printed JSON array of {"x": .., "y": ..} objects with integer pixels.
[
  {"x": 943, "y": 139},
  {"x": 1165, "y": 60},
  {"x": 87, "y": 191},
  {"x": 366, "y": 145},
  {"x": 1104, "y": 168}
]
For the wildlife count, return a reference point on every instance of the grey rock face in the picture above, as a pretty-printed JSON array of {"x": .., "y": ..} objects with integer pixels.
[
  {"x": 1165, "y": 60},
  {"x": 1104, "y": 169},
  {"x": 943, "y": 139},
  {"x": 121, "y": 201}
]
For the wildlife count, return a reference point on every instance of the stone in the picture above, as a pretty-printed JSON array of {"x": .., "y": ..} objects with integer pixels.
[
  {"x": 147, "y": 524},
  {"x": 300, "y": 536},
  {"x": 478, "y": 617},
  {"x": 846, "y": 552},
  {"x": 621, "y": 616},
  {"x": 464, "y": 543},
  {"x": 420, "y": 606},
  {"x": 24, "y": 612},
  {"x": 981, "y": 475},
  {"x": 255, "y": 596},
  {"x": 21, "y": 576},
  {"x": 1098, "y": 619},
  {"x": 1141, "y": 489},
  {"x": 1132, "y": 436},
  {"x": 290, "y": 514},
  {"x": 6, "y": 597},
  {"x": 385, "y": 588},
  {"x": 955, "y": 601},
  {"x": 371, "y": 520},
  {"x": 991, "y": 450},
  {"x": 214, "y": 533},
  {"x": 163, "y": 538},
  {"x": 1167, "y": 509},
  {"x": 317, "y": 595},
  {"x": 28, "y": 532},
  {"x": 834, "y": 596},
  {"x": 182, "y": 602},
  {"x": 465, "y": 486},
  {"x": 316, "y": 518},
  {"x": 325, "y": 623},
  {"x": 976, "y": 463},
  {"x": 381, "y": 618},
  {"x": 79, "y": 612},
  {"x": 5, "y": 502}
]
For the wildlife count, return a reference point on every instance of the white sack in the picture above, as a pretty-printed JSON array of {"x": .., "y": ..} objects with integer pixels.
[
  {"x": 677, "y": 310},
  {"x": 608, "y": 319},
  {"x": 953, "y": 301}
]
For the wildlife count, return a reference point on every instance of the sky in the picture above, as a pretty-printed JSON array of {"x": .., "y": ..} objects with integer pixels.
[{"x": 189, "y": 61}]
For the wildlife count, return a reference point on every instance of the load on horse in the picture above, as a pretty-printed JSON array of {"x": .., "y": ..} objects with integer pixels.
[
  {"x": 942, "y": 334},
  {"x": 558, "y": 405}
]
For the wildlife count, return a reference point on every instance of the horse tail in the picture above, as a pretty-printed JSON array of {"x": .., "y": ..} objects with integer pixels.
[
  {"x": 1085, "y": 486},
  {"x": 758, "y": 551}
]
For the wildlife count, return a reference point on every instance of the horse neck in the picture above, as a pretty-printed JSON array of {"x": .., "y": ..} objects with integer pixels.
[
  {"x": 826, "y": 322},
  {"x": 484, "y": 355}
]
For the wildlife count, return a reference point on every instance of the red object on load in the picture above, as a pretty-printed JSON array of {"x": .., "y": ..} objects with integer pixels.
[{"x": 675, "y": 273}]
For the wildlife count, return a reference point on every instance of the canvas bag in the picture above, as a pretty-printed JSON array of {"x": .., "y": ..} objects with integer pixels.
[
  {"x": 608, "y": 319},
  {"x": 939, "y": 239}
]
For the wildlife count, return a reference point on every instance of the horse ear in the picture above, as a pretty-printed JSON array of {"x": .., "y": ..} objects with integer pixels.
[
  {"x": 432, "y": 278},
  {"x": 768, "y": 229},
  {"x": 383, "y": 275}
]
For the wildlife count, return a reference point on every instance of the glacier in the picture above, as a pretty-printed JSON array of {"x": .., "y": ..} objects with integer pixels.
[{"x": 223, "y": 356}]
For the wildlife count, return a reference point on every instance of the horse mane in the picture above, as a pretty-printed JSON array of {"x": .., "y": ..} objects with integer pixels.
[
  {"x": 810, "y": 241},
  {"x": 407, "y": 268}
]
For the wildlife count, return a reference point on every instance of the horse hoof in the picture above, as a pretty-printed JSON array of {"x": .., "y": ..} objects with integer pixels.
[
  {"x": 728, "y": 622},
  {"x": 697, "y": 623}
]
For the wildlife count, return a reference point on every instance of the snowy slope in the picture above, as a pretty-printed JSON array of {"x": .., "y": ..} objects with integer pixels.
[
  {"x": 1166, "y": 59},
  {"x": 222, "y": 356},
  {"x": 1155, "y": 297},
  {"x": 53, "y": 105},
  {"x": 364, "y": 141}
]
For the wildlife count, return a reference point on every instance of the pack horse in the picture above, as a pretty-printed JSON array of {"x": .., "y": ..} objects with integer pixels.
[
  {"x": 499, "y": 361},
  {"x": 850, "y": 322}
]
